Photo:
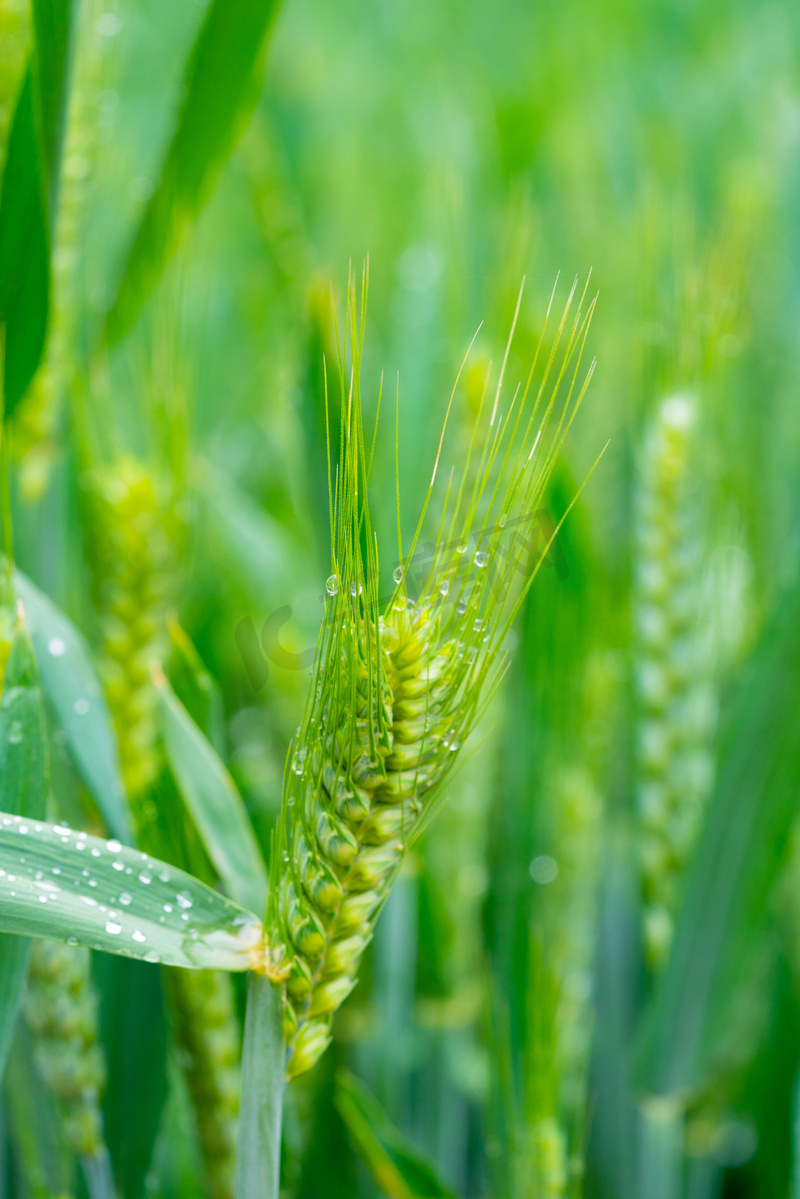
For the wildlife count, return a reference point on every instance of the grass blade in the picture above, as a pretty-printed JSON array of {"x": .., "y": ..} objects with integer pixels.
[
  {"x": 213, "y": 802},
  {"x": 263, "y": 1082},
  {"x": 24, "y": 250},
  {"x": 737, "y": 861},
  {"x": 219, "y": 87},
  {"x": 52, "y": 26},
  {"x": 394, "y": 1164},
  {"x": 27, "y": 198},
  {"x": 195, "y": 687},
  {"x": 58, "y": 883},
  {"x": 23, "y": 756},
  {"x": 135, "y": 1038},
  {"x": 243, "y": 538},
  {"x": 70, "y": 684},
  {"x": 23, "y": 786}
]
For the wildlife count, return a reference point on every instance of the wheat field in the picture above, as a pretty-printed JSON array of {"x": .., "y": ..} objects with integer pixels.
[{"x": 399, "y": 600}]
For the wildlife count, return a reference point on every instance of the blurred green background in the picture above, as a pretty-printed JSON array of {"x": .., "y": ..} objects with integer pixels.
[{"x": 608, "y": 909}]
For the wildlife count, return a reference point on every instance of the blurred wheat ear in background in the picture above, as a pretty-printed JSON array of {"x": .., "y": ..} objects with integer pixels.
[{"x": 673, "y": 667}]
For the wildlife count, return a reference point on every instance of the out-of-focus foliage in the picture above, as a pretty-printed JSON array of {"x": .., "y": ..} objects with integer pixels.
[{"x": 587, "y": 978}]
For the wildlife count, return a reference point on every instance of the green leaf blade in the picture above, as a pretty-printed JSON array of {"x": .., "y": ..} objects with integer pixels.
[
  {"x": 23, "y": 754},
  {"x": 71, "y": 686},
  {"x": 194, "y": 686},
  {"x": 213, "y": 802},
  {"x": 55, "y": 882},
  {"x": 218, "y": 89},
  {"x": 23, "y": 787},
  {"x": 396, "y": 1166},
  {"x": 24, "y": 251},
  {"x": 28, "y": 196}
]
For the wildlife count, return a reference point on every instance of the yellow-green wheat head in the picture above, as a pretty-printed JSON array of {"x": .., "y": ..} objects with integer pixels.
[
  {"x": 398, "y": 686},
  {"x": 135, "y": 534}
]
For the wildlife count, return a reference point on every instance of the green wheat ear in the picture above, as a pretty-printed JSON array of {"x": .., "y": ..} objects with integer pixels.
[
  {"x": 396, "y": 691},
  {"x": 137, "y": 528},
  {"x": 672, "y": 667},
  {"x": 61, "y": 1012}
]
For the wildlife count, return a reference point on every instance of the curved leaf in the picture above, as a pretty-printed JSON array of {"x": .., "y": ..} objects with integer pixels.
[
  {"x": 27, "y": 198},
  {"x": 23, "y": 787},
  {"x": 213, "y": 802},
  {"x": 243, "y": 535},
  {"x": 58, "y": 883},
  {"x": 218, "y": 90},
  {"x": 399, "y": 1170},
  {"x": 24, "y": 250},
  {"x": 23, "y": 754},
  {"x": 194, "y": 686},
  {"x": 70, "y": 684},
  {"x": 135, "y": 1039}
]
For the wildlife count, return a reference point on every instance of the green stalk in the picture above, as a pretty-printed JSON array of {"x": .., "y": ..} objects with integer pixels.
[
  {"x": 99, "y": 1176},
  {"x": 661, "y": 1158},
  {"x": 263, "y": 1081}
]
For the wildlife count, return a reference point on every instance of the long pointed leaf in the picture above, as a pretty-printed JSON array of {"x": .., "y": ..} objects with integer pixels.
[
  {"x": 52, "y": 25},
  {"x": 194, "y": 686},
  {"x": 23, "y": 787},
  {"x": 218, "y": 91},
  {"x": 27, "y": 198},
  {"x": 213, "y": 802},
  {"x": 58, "y": 883},
  {"x": 70, "y": 684},
  {"x": 24, "y": 250},
  {"x": 399, "y": 1170},
  {"x": 135, "y": 1037}
]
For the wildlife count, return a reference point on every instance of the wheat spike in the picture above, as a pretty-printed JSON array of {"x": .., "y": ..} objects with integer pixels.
[
  {"x": 137, "y": 532},
  {"x": 207, "y": 1034},
  {"x": 135, "y": 535},
  {"x": 61, "y": 1012},
  {"x": 395, "y": 693},
  {"x": 673, "y": 678},
  {"x": 549, "y": 1147}
]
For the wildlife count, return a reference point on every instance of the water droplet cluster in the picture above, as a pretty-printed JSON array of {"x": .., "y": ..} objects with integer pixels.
[{"x": 112, "y": 897}]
